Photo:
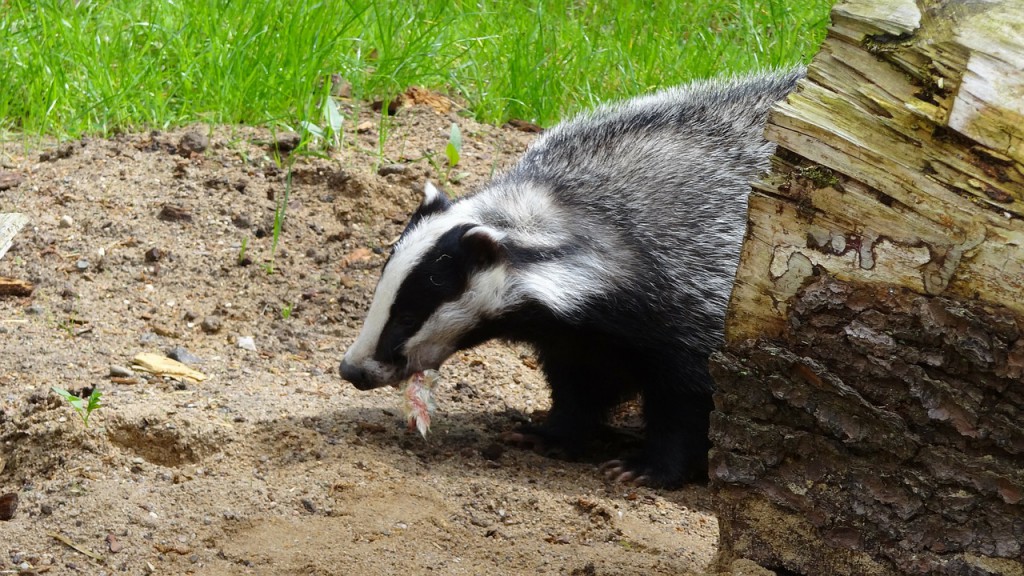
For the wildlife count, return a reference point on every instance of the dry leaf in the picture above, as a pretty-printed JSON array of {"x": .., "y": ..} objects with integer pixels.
[
  {"x": 357, "y": 256},
  {"x": 164, "y": 366}
]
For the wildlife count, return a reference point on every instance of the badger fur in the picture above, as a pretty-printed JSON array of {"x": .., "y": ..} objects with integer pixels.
[{"x": 610, "y": 247}]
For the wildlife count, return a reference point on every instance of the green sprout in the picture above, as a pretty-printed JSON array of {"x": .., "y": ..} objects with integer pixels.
[
  {"x": 454, "y": 149},
  {"x": 241, "y": 251},
  {"x": 83, "y": 406},
  {"x": 453, "y": 153},
  {"x": 279, "y": 213}
]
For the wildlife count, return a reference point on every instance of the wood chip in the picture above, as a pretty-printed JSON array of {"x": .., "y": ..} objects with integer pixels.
[
  {"x": 67, "y": 542},
  {"x": 524, "y": 126},
  {"x": 161, "y": 365},
  {"x": 10, "y": 224},
  {"x": 418, "y": 95},
  {"x": 179, "y": 549},
  {"x": 15, "y": 287},
  {"x": 172, "y": 213}
]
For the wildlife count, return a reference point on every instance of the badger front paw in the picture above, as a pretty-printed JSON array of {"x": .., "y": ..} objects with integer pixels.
[
  {"x": 528, "y": 438},
  {"x": 641, "y": 472},
  {"x": 547, "y": 440}
]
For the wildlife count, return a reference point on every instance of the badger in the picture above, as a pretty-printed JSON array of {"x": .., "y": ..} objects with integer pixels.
[{"x": 610, "y": 248}]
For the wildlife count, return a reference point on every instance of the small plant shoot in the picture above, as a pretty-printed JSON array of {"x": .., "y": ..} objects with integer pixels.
[
  {"x": 454, "y": 149},
  {"x": 279, "y": 214},
  {"x": 83, "y": 406},
  {"x": 334, "y": 120},
  {"x": 241, "y": 250}
]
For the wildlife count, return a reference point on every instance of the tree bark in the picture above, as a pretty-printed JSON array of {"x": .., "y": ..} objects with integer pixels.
[{"x": 870, "y": 413}]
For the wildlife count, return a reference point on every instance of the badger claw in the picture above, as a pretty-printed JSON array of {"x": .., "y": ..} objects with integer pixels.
[
  {"x": 620, "y": 472},
  {"x": 525, "y": 441}
]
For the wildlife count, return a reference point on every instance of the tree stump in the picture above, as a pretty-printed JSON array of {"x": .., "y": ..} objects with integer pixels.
[{"x": 870, "y": 413}]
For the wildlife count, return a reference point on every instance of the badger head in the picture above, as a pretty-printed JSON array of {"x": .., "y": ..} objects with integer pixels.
[{"x": 444, "y": 277}]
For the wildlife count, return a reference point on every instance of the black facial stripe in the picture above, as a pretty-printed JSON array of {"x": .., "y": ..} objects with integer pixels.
[{"x": 440, "y": 276}]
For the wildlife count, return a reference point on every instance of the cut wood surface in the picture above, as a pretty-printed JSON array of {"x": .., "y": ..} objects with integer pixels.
[
  {"x": 870, "y": 413},
  {"x": 901, "y": 162}
]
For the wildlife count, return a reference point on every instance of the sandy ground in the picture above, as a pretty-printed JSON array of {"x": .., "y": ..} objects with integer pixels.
[{"x": 273, "y": 464}]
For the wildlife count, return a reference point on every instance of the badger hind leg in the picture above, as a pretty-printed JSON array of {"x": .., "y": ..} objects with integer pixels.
[{"x": 677, "y": 416}]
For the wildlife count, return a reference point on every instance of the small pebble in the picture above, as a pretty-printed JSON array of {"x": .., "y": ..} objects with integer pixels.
[
  {"x": 120, "y": 371},
  {"x": 241, "y": 221},
  {"x": 193, "y": 142},
  {"x": 391, "y": 169},
  {"x": 66, "y": 221},
  {"x": 286, "y": 142},
  {"x": 35, "y": 310},
  {"x": 8, "y": 505},
  {"x": 247, "y": 343},
  {"x": 184, "y": 356},
  {"x": 82, "y": 265},
  {"x": 113, "y": 544},
  {"x": 211, "y": 325},
  {"x": 154, "y": 254}
]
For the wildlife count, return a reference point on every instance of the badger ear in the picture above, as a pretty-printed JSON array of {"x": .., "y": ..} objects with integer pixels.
[
  {"x": 434, "y": 200},
  {"x": 484, "y": 244}
]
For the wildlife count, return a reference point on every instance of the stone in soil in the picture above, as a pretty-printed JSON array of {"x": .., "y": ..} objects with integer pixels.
[
  {"x": 391, "y": 169},
  {"x": 286, "y": 142},
  {"x": 211, "y": 325},
  {"x": 8, "y": 505},
  {"x": 118, "y": 371},
  {"x": 172, "y": 213},
  {"x": 10, "y": 180},
  {"x": 154, "y": 254},
  {"x": 184, "y": 356},
  {"x": 193, "y": 143}
]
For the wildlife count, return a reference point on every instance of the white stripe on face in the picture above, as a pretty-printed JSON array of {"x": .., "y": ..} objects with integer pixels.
[{"x": 408, "y": 253}]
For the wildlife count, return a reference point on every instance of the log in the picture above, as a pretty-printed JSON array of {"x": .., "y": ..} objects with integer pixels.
[{"x": 870, "y": 408}]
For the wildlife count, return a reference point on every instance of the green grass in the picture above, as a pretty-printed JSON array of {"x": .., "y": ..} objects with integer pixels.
[{"x": 93, "y": 66}]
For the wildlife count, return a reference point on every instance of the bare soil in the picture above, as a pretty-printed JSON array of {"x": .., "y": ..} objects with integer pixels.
[{"x": 273, "y": 464}]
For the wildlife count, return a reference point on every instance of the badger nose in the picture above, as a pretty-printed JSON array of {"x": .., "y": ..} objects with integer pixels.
[{"x": 357, "y": 375}]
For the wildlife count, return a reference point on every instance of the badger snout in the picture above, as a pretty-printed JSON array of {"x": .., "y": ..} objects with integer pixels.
[
  {"x": 368, "y": 374},
  {"x": 357, "y": 375}
]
